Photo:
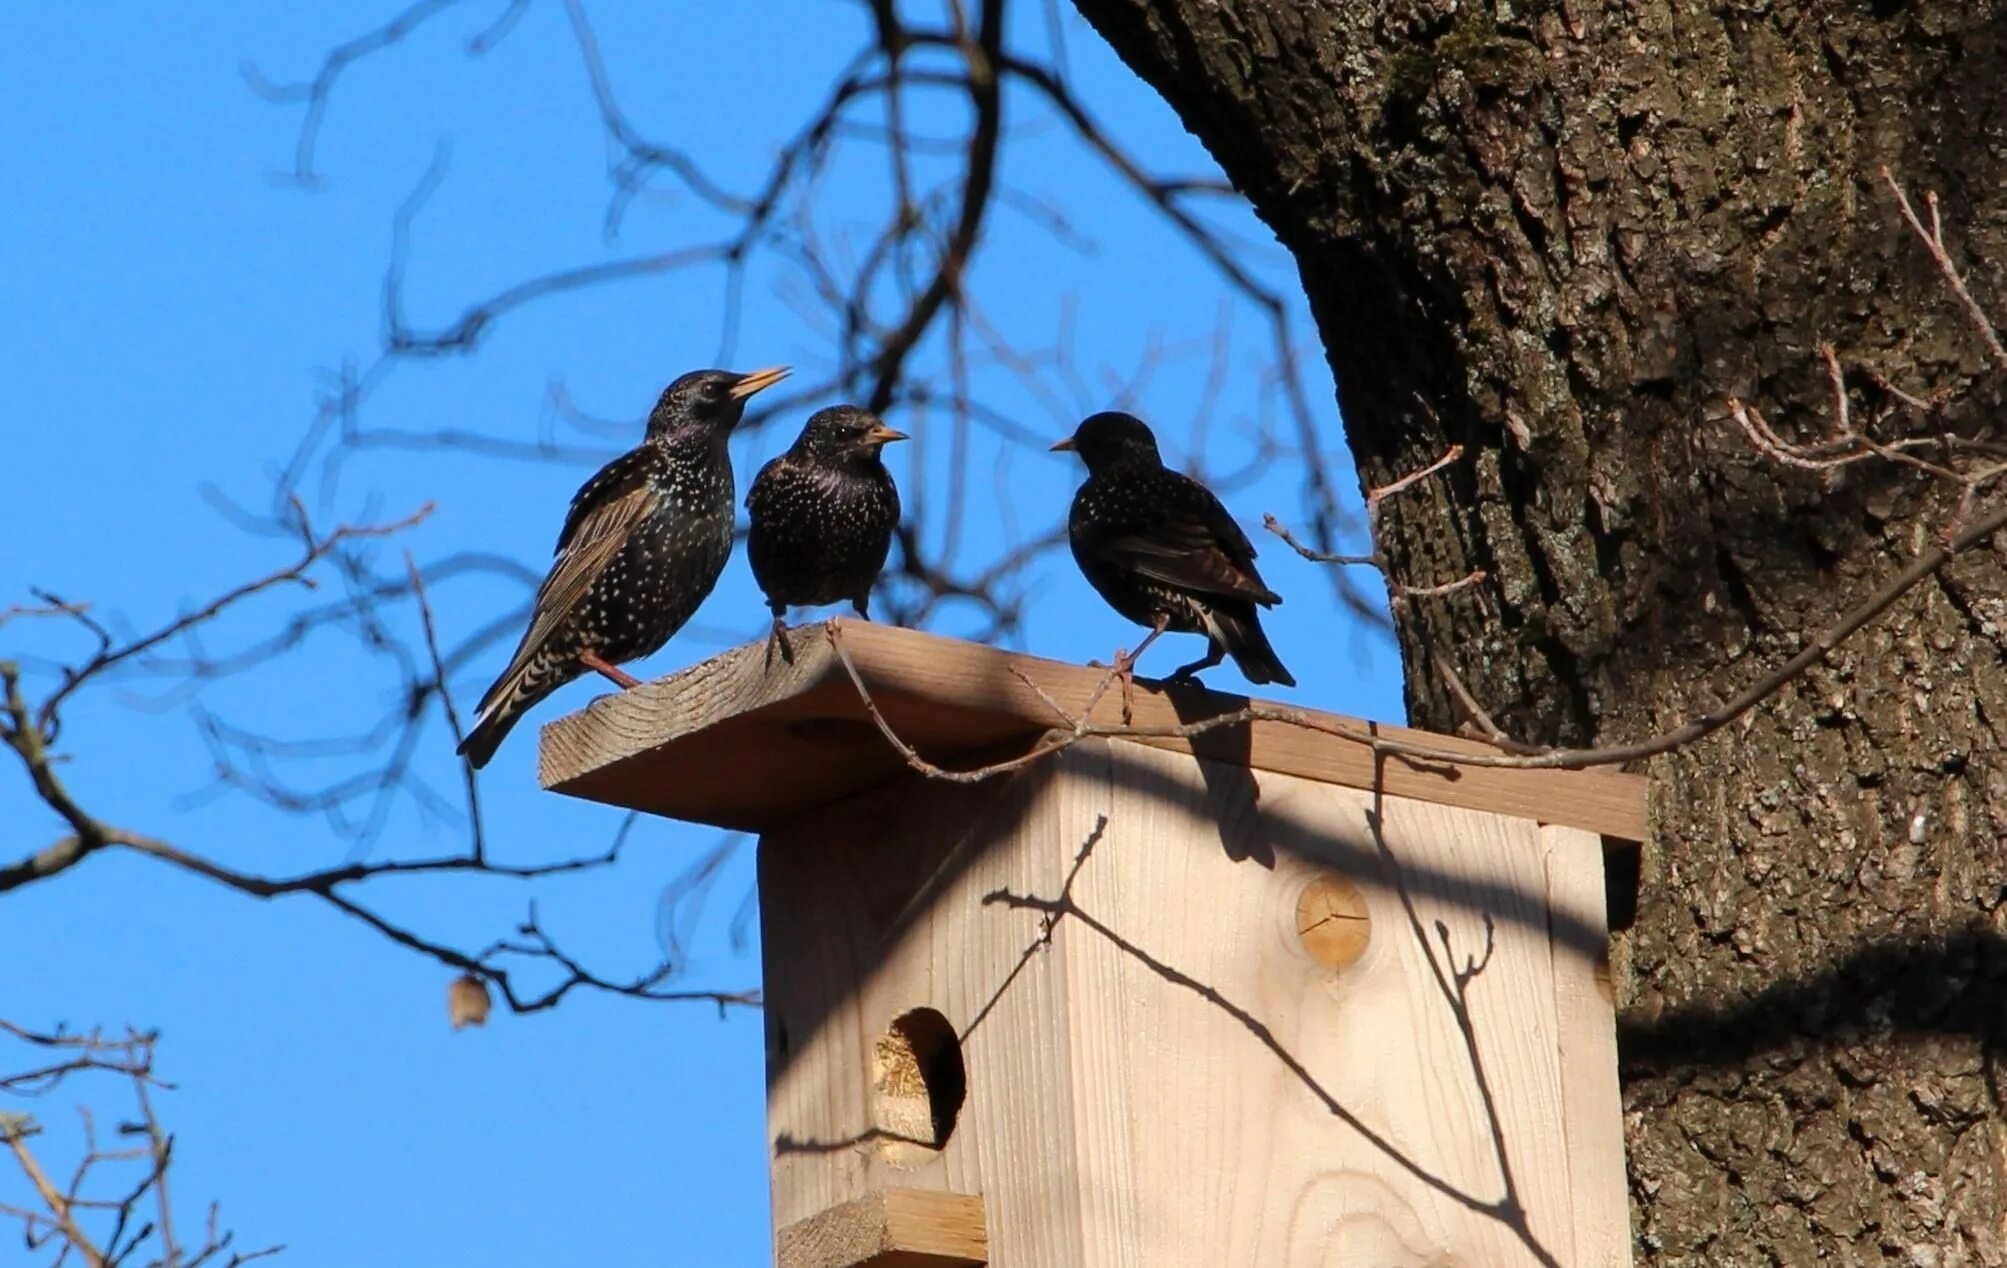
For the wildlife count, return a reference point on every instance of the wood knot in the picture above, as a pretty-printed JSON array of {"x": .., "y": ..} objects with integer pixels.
[{"x": 1332, "y": 921}]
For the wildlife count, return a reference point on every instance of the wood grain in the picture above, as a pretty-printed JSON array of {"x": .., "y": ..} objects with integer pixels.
[
  {"x": 741, "y": 743},
  {"x": 1592, "y": 1106},
  {"x": 1159, "y": 1071},
  {"x": 893, "y": 1228}
]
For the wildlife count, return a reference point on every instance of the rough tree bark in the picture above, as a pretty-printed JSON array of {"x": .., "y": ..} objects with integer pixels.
[{"x": 1565, "y": 233}]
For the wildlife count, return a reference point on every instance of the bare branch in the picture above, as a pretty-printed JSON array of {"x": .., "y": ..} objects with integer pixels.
[
  {"x": 478, "y": 840},
  {"x": 1933, "y": 241},
  {"x": 316, "y": 549},
  {"x": 1693, "y": 729},
  {"x": 904, "y": 333},
  {"x": 1398, "y": 592},
  {"x": 99, "y": 1214},
  {"x": 316, "y": 92},
  {"x": 28, "y": 731}
]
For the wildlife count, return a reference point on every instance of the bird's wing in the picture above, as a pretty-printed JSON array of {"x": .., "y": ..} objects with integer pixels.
[
  {"x": 1195, "y": 545},
  {"x": 603, "y": 515},
  {"x": 596, "y": 536},
  {"x": 623, "y": 475},
  {"x": 1231, "y": 539}
]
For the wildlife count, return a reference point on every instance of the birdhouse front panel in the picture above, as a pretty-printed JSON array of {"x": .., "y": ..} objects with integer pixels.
[{"x": 1159, "y": 1010}]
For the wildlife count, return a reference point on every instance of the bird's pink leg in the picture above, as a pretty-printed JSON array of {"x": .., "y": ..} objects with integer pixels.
[
  {"x": 614, "y": 673},
  {"x": 1125, "y": 668}
]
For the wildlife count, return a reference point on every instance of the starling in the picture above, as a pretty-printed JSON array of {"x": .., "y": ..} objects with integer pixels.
[
  {"x": 1162, "y": 550},
  {"x": 823, "y": 514},
  {"x": 641, "y": 547}
]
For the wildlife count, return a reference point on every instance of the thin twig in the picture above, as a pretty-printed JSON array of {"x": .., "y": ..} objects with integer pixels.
[
  {"x": 478, "y": 843},
  {"x": 316, "y": 549},
  {"x": 1933, "y": 241},
  {"x": 1693, "y": 729}
]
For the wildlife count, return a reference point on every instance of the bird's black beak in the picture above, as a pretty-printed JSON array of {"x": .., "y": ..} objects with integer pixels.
[
  {"x": 1064, "y": 446},
  {"x": 883, "y": 435},
  {"x": 758, "y": 380}
]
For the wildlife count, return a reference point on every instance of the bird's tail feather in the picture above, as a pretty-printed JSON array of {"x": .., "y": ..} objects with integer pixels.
[
  {"x": 519, "y": 688},
  {"x": 486, "y": 737},
  {"x": 1240, "y": 633}
]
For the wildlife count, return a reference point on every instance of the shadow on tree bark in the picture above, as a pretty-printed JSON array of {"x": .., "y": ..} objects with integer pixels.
[{"x": 1887, "y": 993}]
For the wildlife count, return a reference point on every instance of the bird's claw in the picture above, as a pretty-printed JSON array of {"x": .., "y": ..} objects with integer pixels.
[
  {"x": 777, "y": 637},
  {"x": 1124, "y": 670}
]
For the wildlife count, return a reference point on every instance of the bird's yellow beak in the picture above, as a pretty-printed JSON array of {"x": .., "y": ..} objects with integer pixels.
[
  {"x": 758, "y": 380},
  {"x": 1064, "y": 446},
  {"x": 883, "y": 435}
]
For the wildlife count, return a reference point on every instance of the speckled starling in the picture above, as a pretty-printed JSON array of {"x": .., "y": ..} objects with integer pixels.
[
  {"x": 1162, "y": 550},
  {"x": 641, "y": 548},
  {"x": 823, "y": 514}
]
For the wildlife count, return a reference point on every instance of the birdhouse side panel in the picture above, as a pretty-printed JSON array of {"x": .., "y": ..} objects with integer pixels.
[
  {"x": 1203, "y": 1015},
  {"x": 1386, "y": 1111}
]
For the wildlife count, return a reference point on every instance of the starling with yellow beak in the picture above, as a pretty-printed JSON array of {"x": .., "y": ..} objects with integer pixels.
[
  {"x": 823, "y": 514},
  {"x": 1159, "y": 547},
  {"x": 642, "y": 547}
]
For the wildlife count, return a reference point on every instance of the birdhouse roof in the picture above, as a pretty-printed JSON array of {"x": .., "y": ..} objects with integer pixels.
[{"x": 744, "y": 742}]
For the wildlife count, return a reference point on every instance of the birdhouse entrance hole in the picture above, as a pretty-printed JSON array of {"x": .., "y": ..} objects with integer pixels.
[
  {"x": 1288, "y": 1024},
  {"x": 920, "y": 1083}
]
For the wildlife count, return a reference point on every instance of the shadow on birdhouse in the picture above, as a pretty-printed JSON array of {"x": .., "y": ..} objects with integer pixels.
[{"x": 1030, "y": 1006}]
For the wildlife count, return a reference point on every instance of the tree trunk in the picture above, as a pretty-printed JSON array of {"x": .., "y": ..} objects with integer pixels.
[{"x": 1566, "y": 234}]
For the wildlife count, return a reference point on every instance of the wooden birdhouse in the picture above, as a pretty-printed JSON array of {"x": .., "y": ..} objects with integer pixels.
[{"x": 1216, "y": 991}]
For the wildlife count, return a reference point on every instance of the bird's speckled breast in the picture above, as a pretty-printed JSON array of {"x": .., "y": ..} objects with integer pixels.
[
  {"x": 669, "y": 564},
  {"x": 820, "y": 535}
]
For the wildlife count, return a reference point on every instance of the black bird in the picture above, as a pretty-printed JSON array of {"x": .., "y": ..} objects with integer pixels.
[
  {"x": 1162, "y": 550},
  {"x": 642, "y": 546},
  {"x": 823, "y": 514}
]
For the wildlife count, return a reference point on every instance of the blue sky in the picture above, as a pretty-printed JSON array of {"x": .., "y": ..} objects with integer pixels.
[{"x": 169, "y": 313}]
